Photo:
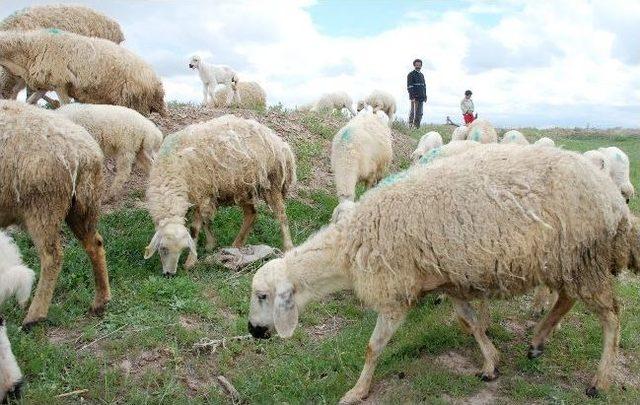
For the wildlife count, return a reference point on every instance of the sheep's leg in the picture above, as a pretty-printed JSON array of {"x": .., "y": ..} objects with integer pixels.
[
  {"x": 249, "y": 211},
  {"x": 124, "y": 162},
  {"x": 46, "y": 238},
  {"x": 468, "y": 316},
  {"x": 606, "y": 307},
  {"x": 386, "y": 326},
  {"x": 207, "y": 214},
  {"x": 544, "y": 328},
  {"x": 144, "y": 160},
  {"x": 83, "y": 224},
  {"x": 63, "y": 96},
  {"x": 276, "y": 202}
]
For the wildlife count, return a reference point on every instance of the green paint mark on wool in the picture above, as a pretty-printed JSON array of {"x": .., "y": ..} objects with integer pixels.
[
  {"x": 430, "y": 156},
  {"x": 346, "y": 135},
  {"x": 513, "y": 136},
  {"x": 619, "y": 157},
  {"x": 54, "y": 31},
  {"x": 169, "y": 145},
  {"x": 392, "y": 179},
  {"x": 476, "y": 134}
]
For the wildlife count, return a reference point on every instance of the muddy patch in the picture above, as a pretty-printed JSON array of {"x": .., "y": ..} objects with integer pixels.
[
  {"x": 457, "y": 363},
  {"x": 148, "y": 360}
]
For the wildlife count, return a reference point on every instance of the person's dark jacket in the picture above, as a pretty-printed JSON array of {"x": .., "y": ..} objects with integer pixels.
[{"x": 416, "y": 86}]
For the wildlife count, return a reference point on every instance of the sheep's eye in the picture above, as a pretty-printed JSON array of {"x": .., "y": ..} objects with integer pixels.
[{"x": 261, "y": 296}]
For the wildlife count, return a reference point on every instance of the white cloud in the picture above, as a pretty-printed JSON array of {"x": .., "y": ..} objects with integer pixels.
[{"x": 538, "y": 63}]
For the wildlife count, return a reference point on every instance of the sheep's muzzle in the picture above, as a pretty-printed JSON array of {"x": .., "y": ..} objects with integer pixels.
[{"x": 259, "y": 332}]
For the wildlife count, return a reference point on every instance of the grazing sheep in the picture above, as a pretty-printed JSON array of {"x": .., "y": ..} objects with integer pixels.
[
  {"x": 544, "y": 141},
  {"x": 547, "y": 218},
  {"x": 10, "y": 374},
  {"x": 212, "y": 76},
  {"x": 429, "y": 141},
  {"x": 251, "y": 95},
  {"x": 515, "y": 137},
  {"x": 77, "y": 19},
  {"x": 91, "y": 70},
  {"x": 614, "y": 163},
  {"x": 50, "y": 172},
  {"x": 380, "y": 101},
  {"x": 337, "y": 100},
  {"x": 459, "y": 133},
  {"x": 482, "y": 131},
  {"x": 16, "y": 279},
  {"x": 224, "y": 161},
  {"x": 360, "y": 151},
  {"x": 122, "y": 133}
]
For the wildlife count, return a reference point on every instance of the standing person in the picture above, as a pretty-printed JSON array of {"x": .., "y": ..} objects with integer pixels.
[
  {"x": 417, "y": 93},
  {"x": 466, "y": 105}
]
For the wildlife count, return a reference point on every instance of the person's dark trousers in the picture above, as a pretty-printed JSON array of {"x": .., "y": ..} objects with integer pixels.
[{"x": 415, "y": 116}]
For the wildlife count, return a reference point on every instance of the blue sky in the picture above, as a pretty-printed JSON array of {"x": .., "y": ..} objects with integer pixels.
[{"x": 530, "y": 63}]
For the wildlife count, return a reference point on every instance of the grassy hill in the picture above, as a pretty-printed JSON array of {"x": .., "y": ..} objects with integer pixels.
[{"x": 142, "y": 350}]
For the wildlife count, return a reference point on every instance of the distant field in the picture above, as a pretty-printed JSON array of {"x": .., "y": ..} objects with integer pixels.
[{"x": 141, "y": 351}]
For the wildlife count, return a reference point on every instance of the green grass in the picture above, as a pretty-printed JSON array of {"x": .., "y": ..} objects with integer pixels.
[{"x": 141, "y": 350}]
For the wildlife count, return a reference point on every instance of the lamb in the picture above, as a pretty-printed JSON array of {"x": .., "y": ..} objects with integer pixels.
[
  {"x": 91, "y": 70},
  {"x": 544, "y": 141},
  {"x": 515, "y": 137},
  {"x": 360, "y": 151},
  {"x": 77, "y": 19},
  {"x": 429, "y": 141},
  {"x": 50, "y": 172},
  {"x": 615, "y": 164},
  {"x": 337, "y": 100},
  {"x": 10, "y": 374},
  {"x": 212, "y": 76},
  {"x": 219, "y": 162},
  {"x": 122, "y": 133},
  {"x": 16, "y": 279},
  {"x": 379, "y": 100},
  {"x": 250, "y": 95},
  {"x": 479, "y": 130},
  {"x": 568, "y": 229}
]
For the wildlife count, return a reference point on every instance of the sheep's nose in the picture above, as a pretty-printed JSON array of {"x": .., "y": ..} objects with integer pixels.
[
  {"x": 259, "y": 332},
  {"x": 16, "y": 391}
]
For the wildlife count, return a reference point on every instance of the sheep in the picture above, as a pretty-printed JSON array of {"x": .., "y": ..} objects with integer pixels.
[
  {"x": 360, "y": 151},
  {"x": 212, "y": 76},
  {"x": 548, "y": 217},
  {"x": 219, "y": 162},
  {"x": 10, "y": 374},
  {"x": 250, "y": 95},
  {"x": 77, "y": 19},
  {"x": 91, "y": 70},
  {"x": 515, "y": 137},
  {"x": 50, "y": 172},
  {"x": 16, "y": 279},
  {"x": 380, "y": 101},
  {"x": 122, "y": 133},
  {"x": 428, "y": 142},
  {"x": 479, "y": 130},
  {"x": 337, "y": 100},
  {"x": 544, "y": 141}
]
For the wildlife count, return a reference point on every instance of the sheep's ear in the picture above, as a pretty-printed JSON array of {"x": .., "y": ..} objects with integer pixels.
[
  {"x": 285, "y": 311},
  {"x": 153, "y": 246},
  {"x": 192, "y": 247}
]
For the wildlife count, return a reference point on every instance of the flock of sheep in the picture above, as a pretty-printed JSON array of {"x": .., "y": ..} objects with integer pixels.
[{"x": 474, "y": 219}]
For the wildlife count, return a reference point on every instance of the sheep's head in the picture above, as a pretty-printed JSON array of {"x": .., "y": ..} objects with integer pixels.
[
  {"x": 169, "y": 241},
  {"x": 360, "y": 105},
  {"x": 194, "y": 63},
  {"x": 273, "y": 304},
  {"x": 627, "y": 191}
]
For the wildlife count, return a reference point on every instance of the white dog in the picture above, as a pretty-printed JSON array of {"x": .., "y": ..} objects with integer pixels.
[
  {"x": 16, "y": 279},
  {"x": 214, "y": 75},
  {"x": 10, "y": 374}
]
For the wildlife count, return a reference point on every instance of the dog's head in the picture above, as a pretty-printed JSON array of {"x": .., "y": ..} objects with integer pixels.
[{"x": 194, "y": 63}]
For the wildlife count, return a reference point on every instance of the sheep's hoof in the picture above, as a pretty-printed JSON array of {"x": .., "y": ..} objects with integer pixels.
[
  {"x": 168, "y": 275},
  {"x": 98, "y": 310},
  {"x": 353, "y": 396},
  {"x": 535, "y": 352},
  {"x": 486, "y": 377},
  {"x": 28, "y": 325},
  {"x": 592, "y": 392}
]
